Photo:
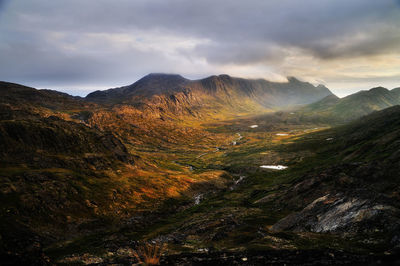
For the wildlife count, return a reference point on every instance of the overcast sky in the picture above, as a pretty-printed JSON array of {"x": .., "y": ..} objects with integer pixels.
[{"x": 78, "y": 46}]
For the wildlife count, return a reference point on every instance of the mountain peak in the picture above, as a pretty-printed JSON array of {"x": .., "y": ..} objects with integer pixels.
[
  {"x": 292, "y": 79},
  {"x": 163, "y": 75},
  {"x": 224, "y": 76},
  {"x": 378, "y": 89}
]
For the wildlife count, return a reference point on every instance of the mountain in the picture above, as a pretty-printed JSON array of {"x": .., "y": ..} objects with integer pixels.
[
  {"x": 50, "y": 168},
  {"x": 69, "y": 163},
  {"x": 19, "y": 95},
  {"x": 173, "y": 94},
  {"x": 353, "y": 106}
]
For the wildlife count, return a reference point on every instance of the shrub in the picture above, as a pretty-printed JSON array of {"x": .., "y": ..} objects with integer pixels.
[{"x": 149, "y": 254}]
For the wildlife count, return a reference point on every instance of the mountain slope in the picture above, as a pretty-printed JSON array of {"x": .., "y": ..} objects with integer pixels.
[
  {"x": 355, "y": 190},
  {"x": 16, "y": 94},
  {"x": 67, "y": 163},
  {"x": 173, "y": 94},
  {"x": 354, "y": 105}
]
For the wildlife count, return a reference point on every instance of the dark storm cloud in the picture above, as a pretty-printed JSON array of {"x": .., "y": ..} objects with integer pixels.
[
  {"x": 316, "y": 25},
  {"x": 2, "y": 3},
  {"x": 33, "y": 57},
  {"x": 92, "y": 42}
]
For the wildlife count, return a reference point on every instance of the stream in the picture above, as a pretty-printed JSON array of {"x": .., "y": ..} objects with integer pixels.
[{"x": 198, "y": 198}]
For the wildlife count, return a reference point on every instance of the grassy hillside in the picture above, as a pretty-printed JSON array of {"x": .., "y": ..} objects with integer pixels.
[{"x": 353, "y": 106}]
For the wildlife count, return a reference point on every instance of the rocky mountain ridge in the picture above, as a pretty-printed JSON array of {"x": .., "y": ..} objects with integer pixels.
[{"x": 167, "y": 93}]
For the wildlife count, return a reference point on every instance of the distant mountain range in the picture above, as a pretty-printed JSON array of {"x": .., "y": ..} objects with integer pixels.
[
  {"x": 173, "y": 94},
  {"x": 169, "y": 96}
]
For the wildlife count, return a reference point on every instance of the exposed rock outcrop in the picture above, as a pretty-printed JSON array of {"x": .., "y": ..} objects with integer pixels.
[{"x": 343, "y": 214}]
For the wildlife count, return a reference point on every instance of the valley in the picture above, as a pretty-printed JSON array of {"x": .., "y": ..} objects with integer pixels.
[
  {"x": 194, "y": 133},
  {"x": 220, "y": 169},
  {"x": 224, "y": 209},
  {"x": 240, "y": 217}
]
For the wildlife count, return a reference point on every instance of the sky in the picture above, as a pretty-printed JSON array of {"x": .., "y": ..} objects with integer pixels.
[{"x": 78, "y": 46}]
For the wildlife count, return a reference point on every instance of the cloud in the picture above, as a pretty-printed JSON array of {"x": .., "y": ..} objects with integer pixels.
[{"x": 99, "y": 42}]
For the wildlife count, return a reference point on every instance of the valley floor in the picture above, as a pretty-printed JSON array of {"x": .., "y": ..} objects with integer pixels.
[{"x": 232, "y": 220}]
